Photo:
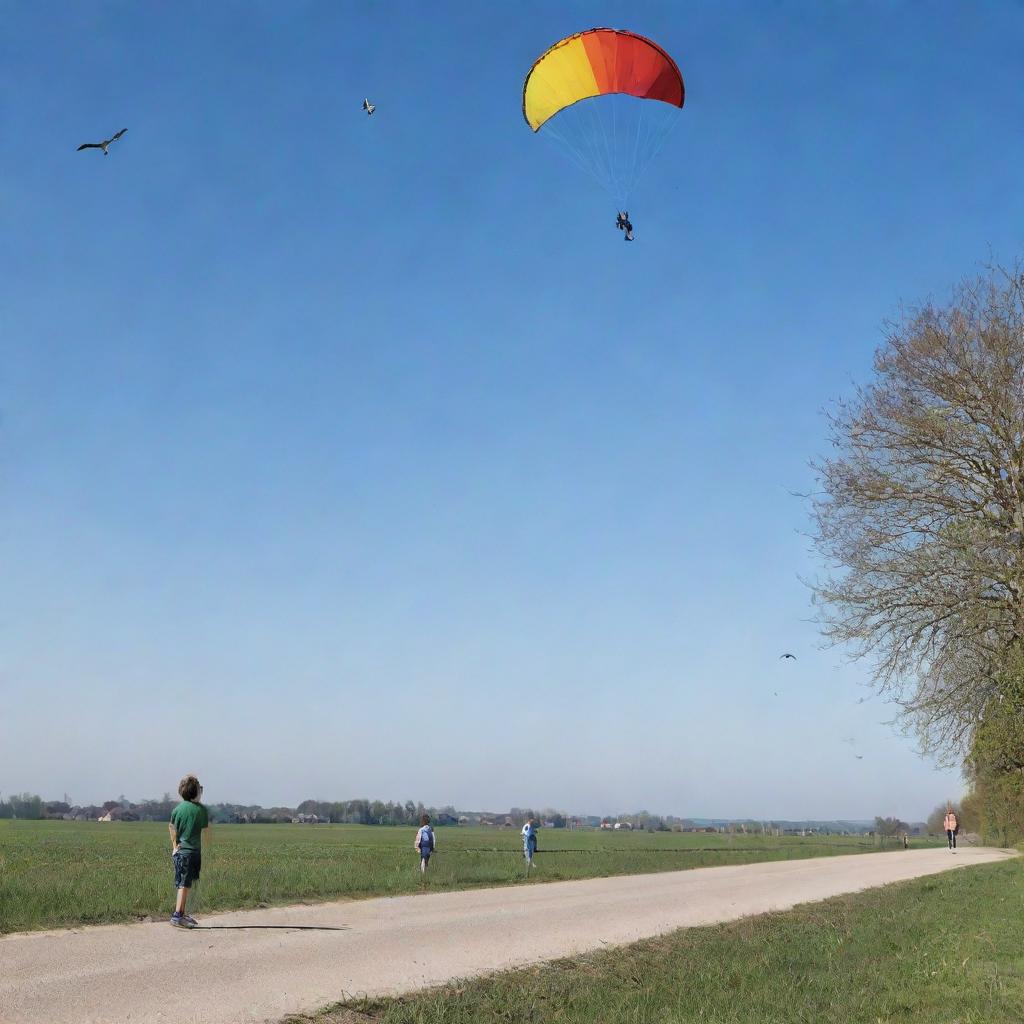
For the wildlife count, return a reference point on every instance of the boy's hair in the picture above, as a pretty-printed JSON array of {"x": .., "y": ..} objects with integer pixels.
[
  {"x": 425, "y": 819},
  {"x": 188, "y": 788}
]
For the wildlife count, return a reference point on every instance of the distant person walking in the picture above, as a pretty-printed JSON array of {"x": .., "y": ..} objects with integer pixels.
[
  {"x": 188, "y": 820},
  {"x": 530, "y": 842},
  {"x": 952, "y": 826},
  {"x": 425, "y": 842}
]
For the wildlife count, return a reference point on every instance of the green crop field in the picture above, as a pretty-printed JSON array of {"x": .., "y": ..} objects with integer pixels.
[{"x": 55, "y": 873}]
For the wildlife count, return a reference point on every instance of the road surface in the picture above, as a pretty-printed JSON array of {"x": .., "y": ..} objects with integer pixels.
[{"x": 259, "y": 965}]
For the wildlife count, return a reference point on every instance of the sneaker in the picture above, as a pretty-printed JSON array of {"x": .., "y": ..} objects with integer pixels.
[
  {"x": 190, "y": 920},
  {"x": 180, "y": 921}
]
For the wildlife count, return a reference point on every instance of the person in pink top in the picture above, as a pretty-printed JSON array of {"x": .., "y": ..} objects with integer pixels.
[{"x": 952, "y": 826}]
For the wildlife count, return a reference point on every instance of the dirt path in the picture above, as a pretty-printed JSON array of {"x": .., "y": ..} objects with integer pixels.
[{"x": 261, "y": 965}]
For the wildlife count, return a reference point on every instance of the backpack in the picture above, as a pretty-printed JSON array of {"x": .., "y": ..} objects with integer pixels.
[{"x": 426, "y": 839}]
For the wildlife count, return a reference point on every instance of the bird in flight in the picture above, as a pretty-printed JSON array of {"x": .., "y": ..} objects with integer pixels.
[
  {"x": 101, "y": 145},
  {"x": 860, "y": 757},
  {"x": 369, "y": 107},
  {"x": 787, "y": 655}
]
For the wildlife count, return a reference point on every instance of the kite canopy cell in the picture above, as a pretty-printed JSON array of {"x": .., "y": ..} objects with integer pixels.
[{"x": 592, "y": 94}]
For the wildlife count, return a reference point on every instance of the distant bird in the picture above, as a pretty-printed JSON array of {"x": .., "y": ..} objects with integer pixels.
[
  {"x": 369, "y": 107},
  {"x": 101, "y": 145},
  {"x": 787, "y": 655},
  {"x": 860, "y": 757}
]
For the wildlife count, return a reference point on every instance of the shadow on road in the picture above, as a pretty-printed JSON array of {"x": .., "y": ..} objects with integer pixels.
[{"x": 274, "y": 927}]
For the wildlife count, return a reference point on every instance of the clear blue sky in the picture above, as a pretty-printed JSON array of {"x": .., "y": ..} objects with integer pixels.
[{"x": 345, "y": 456}]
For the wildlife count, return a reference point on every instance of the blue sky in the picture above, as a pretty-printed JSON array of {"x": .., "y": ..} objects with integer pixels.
[{"x": 345, "y": 456}]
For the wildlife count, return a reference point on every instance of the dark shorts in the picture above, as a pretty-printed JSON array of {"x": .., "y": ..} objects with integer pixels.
[
  {"x": 425, "y": 852},
  {"x": 186, "y": 868}
]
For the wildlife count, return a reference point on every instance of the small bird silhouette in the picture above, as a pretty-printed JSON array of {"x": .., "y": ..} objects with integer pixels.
[
  {"x": 101, "y": 145},
  {"x": 787, "y": 655},
  {"x": 860, "y": 757},
  {"x": 369, "y": 107}
]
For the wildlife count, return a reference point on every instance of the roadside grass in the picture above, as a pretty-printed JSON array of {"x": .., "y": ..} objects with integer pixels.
[
  {"x": 948, "y": 948},
  {"x": 56, "y": 874}
]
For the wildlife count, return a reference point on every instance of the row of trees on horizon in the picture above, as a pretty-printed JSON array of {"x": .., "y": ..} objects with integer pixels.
[
  {"x": 361, "y": 811},
  {"x": 29, "y": 806}
]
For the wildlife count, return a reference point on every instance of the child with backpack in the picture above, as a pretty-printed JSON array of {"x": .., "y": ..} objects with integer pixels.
[{"x": 425, "y": 842}]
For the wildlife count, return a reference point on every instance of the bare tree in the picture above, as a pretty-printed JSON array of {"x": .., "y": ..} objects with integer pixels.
[
  {"x": 890, "y": 826},
  {"x": 920, "y": 513}
]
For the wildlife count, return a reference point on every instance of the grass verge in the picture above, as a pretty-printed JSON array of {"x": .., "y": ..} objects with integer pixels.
[{"x": 948, "y": 948}]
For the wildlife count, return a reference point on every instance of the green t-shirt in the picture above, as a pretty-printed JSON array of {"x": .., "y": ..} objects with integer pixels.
[{"x": 189, "y": 820}]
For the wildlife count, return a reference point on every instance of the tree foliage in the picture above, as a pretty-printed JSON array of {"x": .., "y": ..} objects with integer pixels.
[
  {"x": 996, "y": 762},
  {"x": 920, "y": 513},
  {"x": 22, "y": 805},
  {"x": 890, "y": 826}
]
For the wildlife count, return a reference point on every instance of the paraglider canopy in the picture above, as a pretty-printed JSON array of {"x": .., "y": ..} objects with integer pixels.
[
  {"x": 592, "y": 94},
  {"x": 599, "y": 62}
]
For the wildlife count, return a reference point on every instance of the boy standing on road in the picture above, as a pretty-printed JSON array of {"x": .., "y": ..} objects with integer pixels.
[{"x": 188, "y": 820}]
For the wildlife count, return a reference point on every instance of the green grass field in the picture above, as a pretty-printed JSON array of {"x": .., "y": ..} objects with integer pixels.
[
  {"x": 55, "y": 873},
  {"x": 948, "y": 949}
]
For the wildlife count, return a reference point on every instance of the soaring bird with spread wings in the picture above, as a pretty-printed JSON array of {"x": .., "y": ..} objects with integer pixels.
[
  {"x": 101, "y": 145},
  {"x": 369, "y": 107}
]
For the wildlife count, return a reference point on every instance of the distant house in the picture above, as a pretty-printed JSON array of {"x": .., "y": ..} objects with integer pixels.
[
  {"x": 446, "y": 819},
  {"x": 623, "y": 825},
  {"x": 119, "y": 814}
]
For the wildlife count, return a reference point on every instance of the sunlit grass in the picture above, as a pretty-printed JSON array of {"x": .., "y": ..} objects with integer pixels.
[{"x": 946, "y": 948}]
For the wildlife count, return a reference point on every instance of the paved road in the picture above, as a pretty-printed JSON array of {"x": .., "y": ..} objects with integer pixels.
[{"x": 260, "y": 965}]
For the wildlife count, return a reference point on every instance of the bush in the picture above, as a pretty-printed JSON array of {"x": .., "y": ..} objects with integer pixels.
[{"x": 996, "y": 762}]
